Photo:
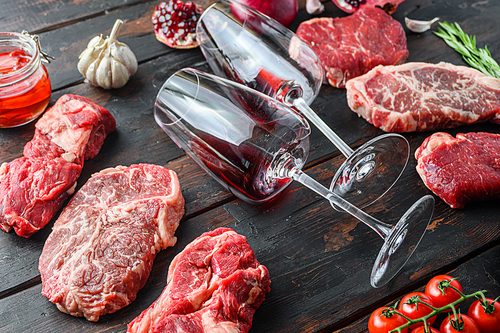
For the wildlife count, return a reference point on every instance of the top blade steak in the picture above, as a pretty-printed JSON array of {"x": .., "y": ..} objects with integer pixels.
[
  {"x": 422, "y": 97},
  {"x": 102, "y": 246}
]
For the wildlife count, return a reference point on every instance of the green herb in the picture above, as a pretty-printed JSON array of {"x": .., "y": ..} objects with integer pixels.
[{"x": 458, "y": 40}]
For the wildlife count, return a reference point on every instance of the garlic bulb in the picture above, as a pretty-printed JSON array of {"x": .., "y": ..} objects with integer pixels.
[{"x": 107, "y": 63}]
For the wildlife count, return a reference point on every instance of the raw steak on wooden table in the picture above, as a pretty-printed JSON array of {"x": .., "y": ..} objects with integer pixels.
[
  {"x": 214, "y": 285},
  {"x": 462, "y": 169},
  {"x": 350, "y": 46},
  {"x": 102, "y": 247},
  {"x": 423, "y": 97},
  {"x": 33, "y": 188}
]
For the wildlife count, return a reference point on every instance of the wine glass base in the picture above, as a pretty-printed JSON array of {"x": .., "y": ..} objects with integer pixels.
[
  {"x": 371, "y": 170},
  {"x": 402, "y": 241}
]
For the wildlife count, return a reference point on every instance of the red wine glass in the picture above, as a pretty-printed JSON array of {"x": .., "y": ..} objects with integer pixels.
[
  {"x": 250, "y": 48},
  {"x": 255, "y": 146}
]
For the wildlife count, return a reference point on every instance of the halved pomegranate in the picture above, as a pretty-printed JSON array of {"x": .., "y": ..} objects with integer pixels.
[
  {"x": 175, "y": 23},
  {"x": 350, "y": 6}
]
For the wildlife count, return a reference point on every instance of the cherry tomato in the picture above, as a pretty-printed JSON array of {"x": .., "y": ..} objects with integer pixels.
[
  {"x": 486, "y": 315},
  {"x": 411, "y": 308},
  {"x": 421, "y": 329},
  {"x": 439, "y": 291},
  {"x": 384, "y": 319},
  {"x": 464, "y": 324}
]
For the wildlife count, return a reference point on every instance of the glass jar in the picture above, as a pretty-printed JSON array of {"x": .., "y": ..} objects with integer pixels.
[{"x": 24, "y": 83}]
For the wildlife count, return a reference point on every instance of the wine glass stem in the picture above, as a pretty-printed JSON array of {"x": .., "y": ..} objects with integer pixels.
[
  {"x": 304, "y": 108},
  {"x": 379, "y": 227}
]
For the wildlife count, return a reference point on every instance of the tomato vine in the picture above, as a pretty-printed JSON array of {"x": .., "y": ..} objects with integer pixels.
[{"x": 436, "y": 311}]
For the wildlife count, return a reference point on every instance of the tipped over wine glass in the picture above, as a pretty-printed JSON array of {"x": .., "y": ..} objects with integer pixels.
[
  {"x": 248, "y": 47},
  {"x": 255, "y": 146}
]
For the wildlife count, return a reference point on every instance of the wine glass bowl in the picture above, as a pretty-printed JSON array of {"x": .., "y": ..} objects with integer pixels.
[
  {"x": 246, "y": 46},
  {"x": 231, "y": 131}
]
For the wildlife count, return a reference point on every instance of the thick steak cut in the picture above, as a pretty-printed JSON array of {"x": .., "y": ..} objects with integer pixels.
[
  {"x": 214, "y": 285},
  {"x": 102, "y": 247},
  {"x": 422, "y": 97},
  {"x": 34, "y": 187},
  {"x": 350, "y": 46},
  {"x": 33, "y": 190},
  {"x": 462, "y": 169},
  {"x": 74, "y": 128}
]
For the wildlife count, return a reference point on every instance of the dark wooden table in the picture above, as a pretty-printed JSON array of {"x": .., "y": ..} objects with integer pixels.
[{"x": 319, "y": 259}]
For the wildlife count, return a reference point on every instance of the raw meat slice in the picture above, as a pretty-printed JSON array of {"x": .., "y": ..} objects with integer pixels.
[
  {"x": 26, "y": 205},
  {"x": 33, "y": 188},
  {"x": 422, "y": 97},
  {"x": 73, "y": 128},
  {"x": 350, "y": 46},
  {"x": 462, "y": 169},
  {"x": 214, "y": 285},
  {"x": 102, "y": 247}
]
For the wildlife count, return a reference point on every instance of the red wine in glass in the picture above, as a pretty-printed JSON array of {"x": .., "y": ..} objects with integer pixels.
[{"x": 243, "y": 168}]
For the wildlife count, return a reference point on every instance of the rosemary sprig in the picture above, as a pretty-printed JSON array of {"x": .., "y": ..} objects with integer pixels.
[{"x": 458, "y": 40}]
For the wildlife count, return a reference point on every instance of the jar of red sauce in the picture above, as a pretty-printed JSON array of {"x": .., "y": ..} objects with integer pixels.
[{"x": 24, "y": 83}]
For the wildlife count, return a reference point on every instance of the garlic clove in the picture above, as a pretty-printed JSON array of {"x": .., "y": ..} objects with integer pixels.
[
  {"x": 90, "y": 72},
  {"x": 314, "y": 7},
  {"x": 86, "y": 58},
  {"x": 419, "y": 26},
  {"x": 103, "y": 72},
  {"x": 122, "y": 53},
  {"x": 120, "y": 74},
  {"x": 96, "y": 42}
]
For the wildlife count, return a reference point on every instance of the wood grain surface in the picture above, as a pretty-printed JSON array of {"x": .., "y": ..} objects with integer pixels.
[{"x": 319, "y": 259}]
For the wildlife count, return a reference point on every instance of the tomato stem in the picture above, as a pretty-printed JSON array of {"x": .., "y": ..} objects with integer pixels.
[
  {"x": 457, "y": 323},
  {"x": 436, "y": 311},
  {"x": 488, "y": 307}
]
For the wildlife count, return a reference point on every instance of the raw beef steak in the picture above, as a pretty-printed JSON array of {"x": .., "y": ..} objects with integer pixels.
[
  {"x": 422, "y": 97},
  {"x": 33, "y": 188},
  {"x": 102, "y": 247},
  {"x": 214, "y": 285},
  {"x": 350, "y": 46},
  {"x": 74, "y": 129},
  {"x": 462, "y": 169}
]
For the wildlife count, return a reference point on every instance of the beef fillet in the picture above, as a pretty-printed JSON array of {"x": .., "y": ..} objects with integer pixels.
[{"x": 462, "y": 169}]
